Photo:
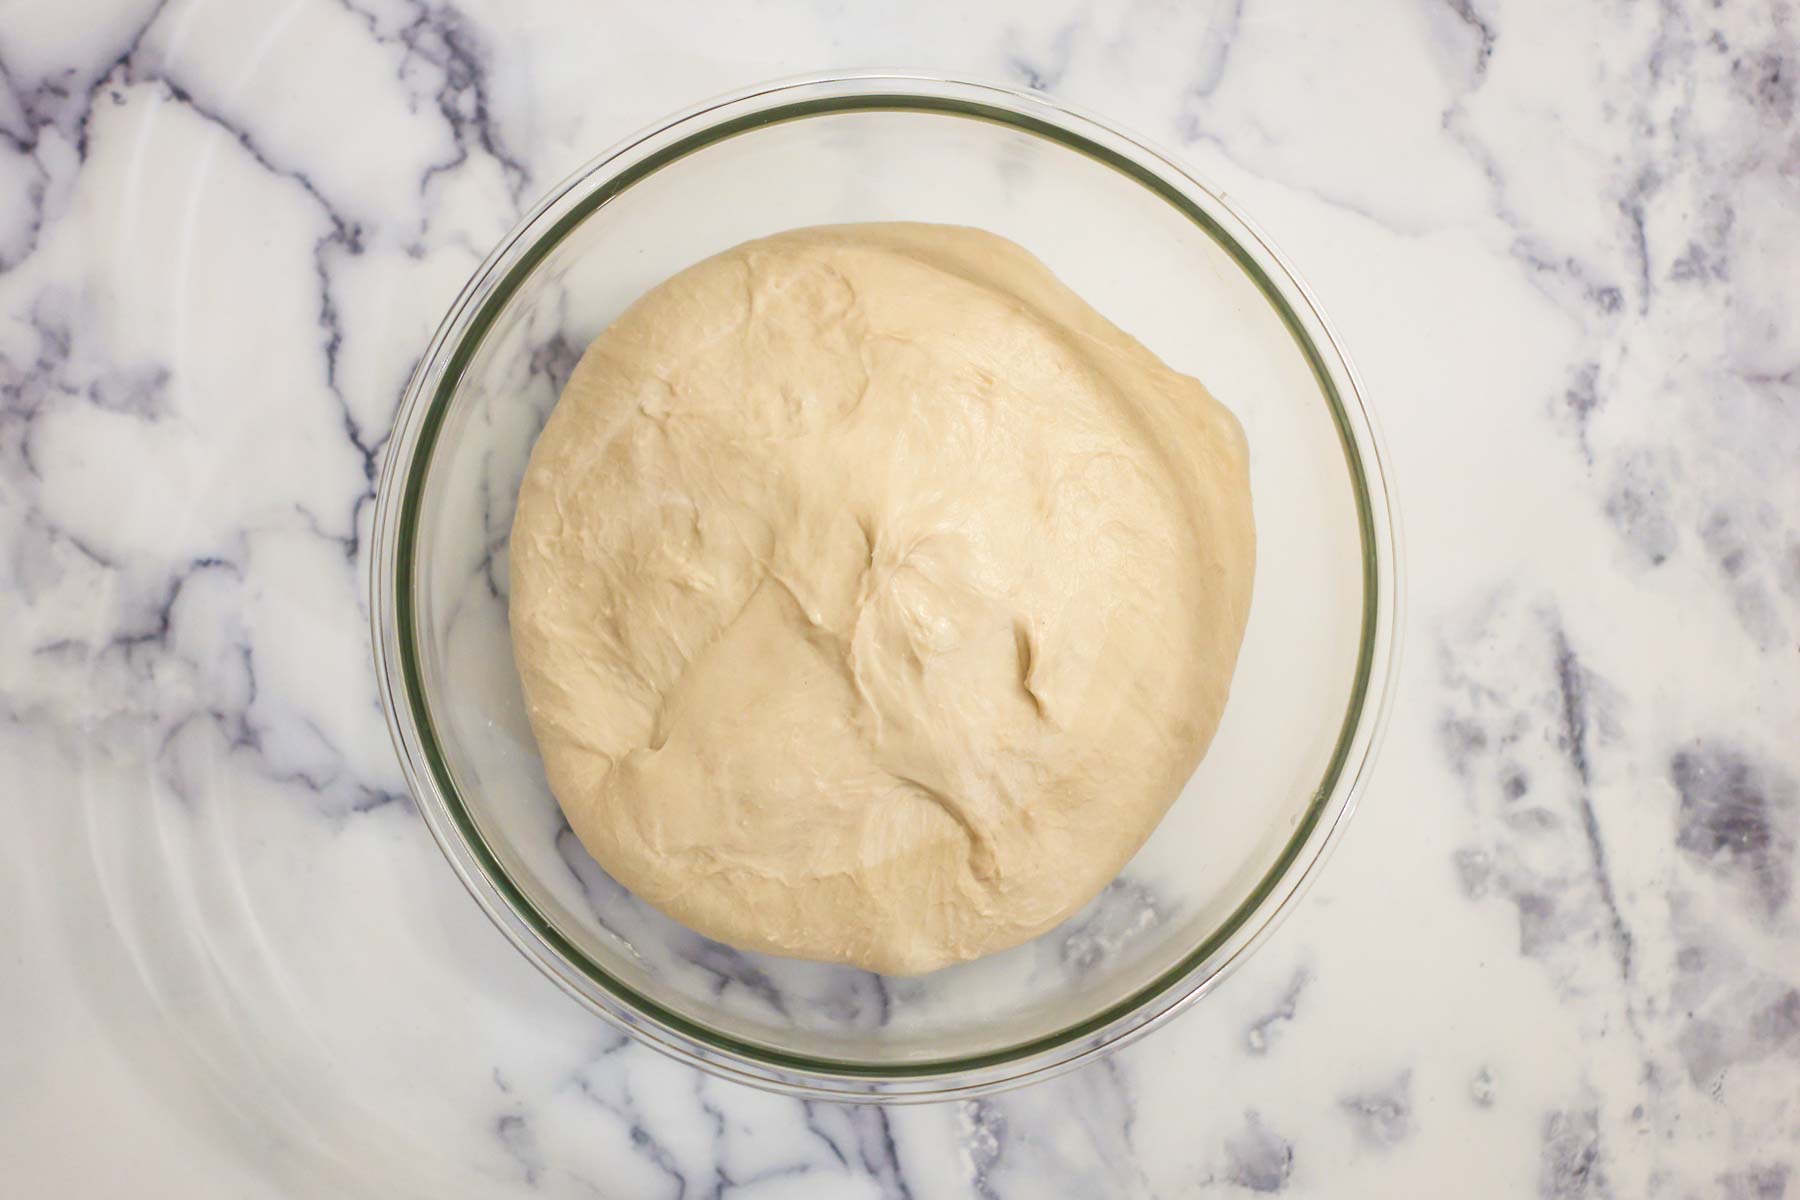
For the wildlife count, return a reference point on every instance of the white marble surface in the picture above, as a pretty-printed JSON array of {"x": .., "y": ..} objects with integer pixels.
[{"x": 1559, "y": 951}]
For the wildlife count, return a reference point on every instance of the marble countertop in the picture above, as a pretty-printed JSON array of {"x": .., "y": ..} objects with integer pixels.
[{"x": 1558, "y": 952}]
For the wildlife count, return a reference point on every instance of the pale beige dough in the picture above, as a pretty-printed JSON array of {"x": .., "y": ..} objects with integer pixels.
[{"x": 874, "y": 596}]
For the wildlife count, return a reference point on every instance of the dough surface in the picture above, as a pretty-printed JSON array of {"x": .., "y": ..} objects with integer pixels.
[{"x": 874, "y": 597}]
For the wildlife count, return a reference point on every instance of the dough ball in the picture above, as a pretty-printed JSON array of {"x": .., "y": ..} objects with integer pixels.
[{"x": 874, "y": 597}]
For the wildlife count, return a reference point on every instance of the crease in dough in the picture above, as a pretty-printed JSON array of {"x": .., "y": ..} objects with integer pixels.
[{"x": 873, "y": 596}]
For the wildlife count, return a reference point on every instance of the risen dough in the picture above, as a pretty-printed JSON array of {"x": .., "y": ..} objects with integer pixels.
[{"x": 874, "y": 596}]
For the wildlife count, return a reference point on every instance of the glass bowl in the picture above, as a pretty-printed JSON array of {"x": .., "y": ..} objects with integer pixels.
[{"x": 1167, "y": 260}]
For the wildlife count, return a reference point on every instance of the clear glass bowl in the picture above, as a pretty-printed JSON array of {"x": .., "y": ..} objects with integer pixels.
[{"x": 1154, "y": 250}]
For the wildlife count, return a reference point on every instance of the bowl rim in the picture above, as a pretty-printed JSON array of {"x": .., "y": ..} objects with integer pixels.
[{"x": 393, "y": 591}]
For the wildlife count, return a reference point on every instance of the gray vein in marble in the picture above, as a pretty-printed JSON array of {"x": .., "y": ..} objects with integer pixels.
[
  {"x": 1257, "y": 1158},
  {"x": 984, "y": 1140},
  {"x": 1120, "y": 1118},
  {"x": 436, "y": 34},
  {"x": 1569, "y": 1165},
  {"x": 1756, "y": 1183},
  {"x": 1704, "y": 261},
  {"x": 861, "y": 1137},
  {"x": 1194, "y": 132},
  {"x": 1474, "y": 871},
  {"x": 1749, "y": 1023},
  {"x": 103, "y": 78},
  {"x": 1547, "y": 852},
  {"x": 1632, "y": 206},
  {"x": 26, "y": 390},
  {"x": 1738, "y": 820},
  {"x": 1215, "y": 53},
  {"x": 1043, "y": 74},
  {"x": 722, "y": 1180},
  {"x": 1639, "y": 503},
  {"x": 1768, "y": 79},
  {"x": 1571, "y": 683},
  {"x": 612, "y": 1094},
  {"x": 1485, "y": 37},
  {"x": 1581, "y": 399},
  {"x": 1123, "y": 911},
  {"x": 812, "y": 1111},
  {"x": 516, "y": 1136},
  {"x": 233, "y": 713},
  {"x": 1725, "y": 540},
  {"x": 1492, "y": 738},
  {"x": 442, "y": 36},
  {"x": 62, "y": 103},
  {"x": 1482, "y": 1088},
  {"x": 1528, "y": 244},
  {"x": 1731, "y": 1013},
  {"x": 730, "y": 968},
  {"x": 343, "y": 236},
  {"x": 1382, "y": 1116},
  {"x": 1259, "y": 1037}
]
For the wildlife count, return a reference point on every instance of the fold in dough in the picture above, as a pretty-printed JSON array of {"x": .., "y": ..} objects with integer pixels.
[{"x": 874, "y": 596}]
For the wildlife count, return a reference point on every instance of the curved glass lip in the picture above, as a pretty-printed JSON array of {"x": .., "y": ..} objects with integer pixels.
[{"x": 393, "y": 585}]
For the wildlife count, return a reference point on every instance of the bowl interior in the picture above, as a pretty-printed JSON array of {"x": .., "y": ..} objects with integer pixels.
[{"x": 1152, "y": 269}]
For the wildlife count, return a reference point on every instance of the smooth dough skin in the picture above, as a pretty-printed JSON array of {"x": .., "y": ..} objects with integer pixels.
[{"x": 874, "y": 597}]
